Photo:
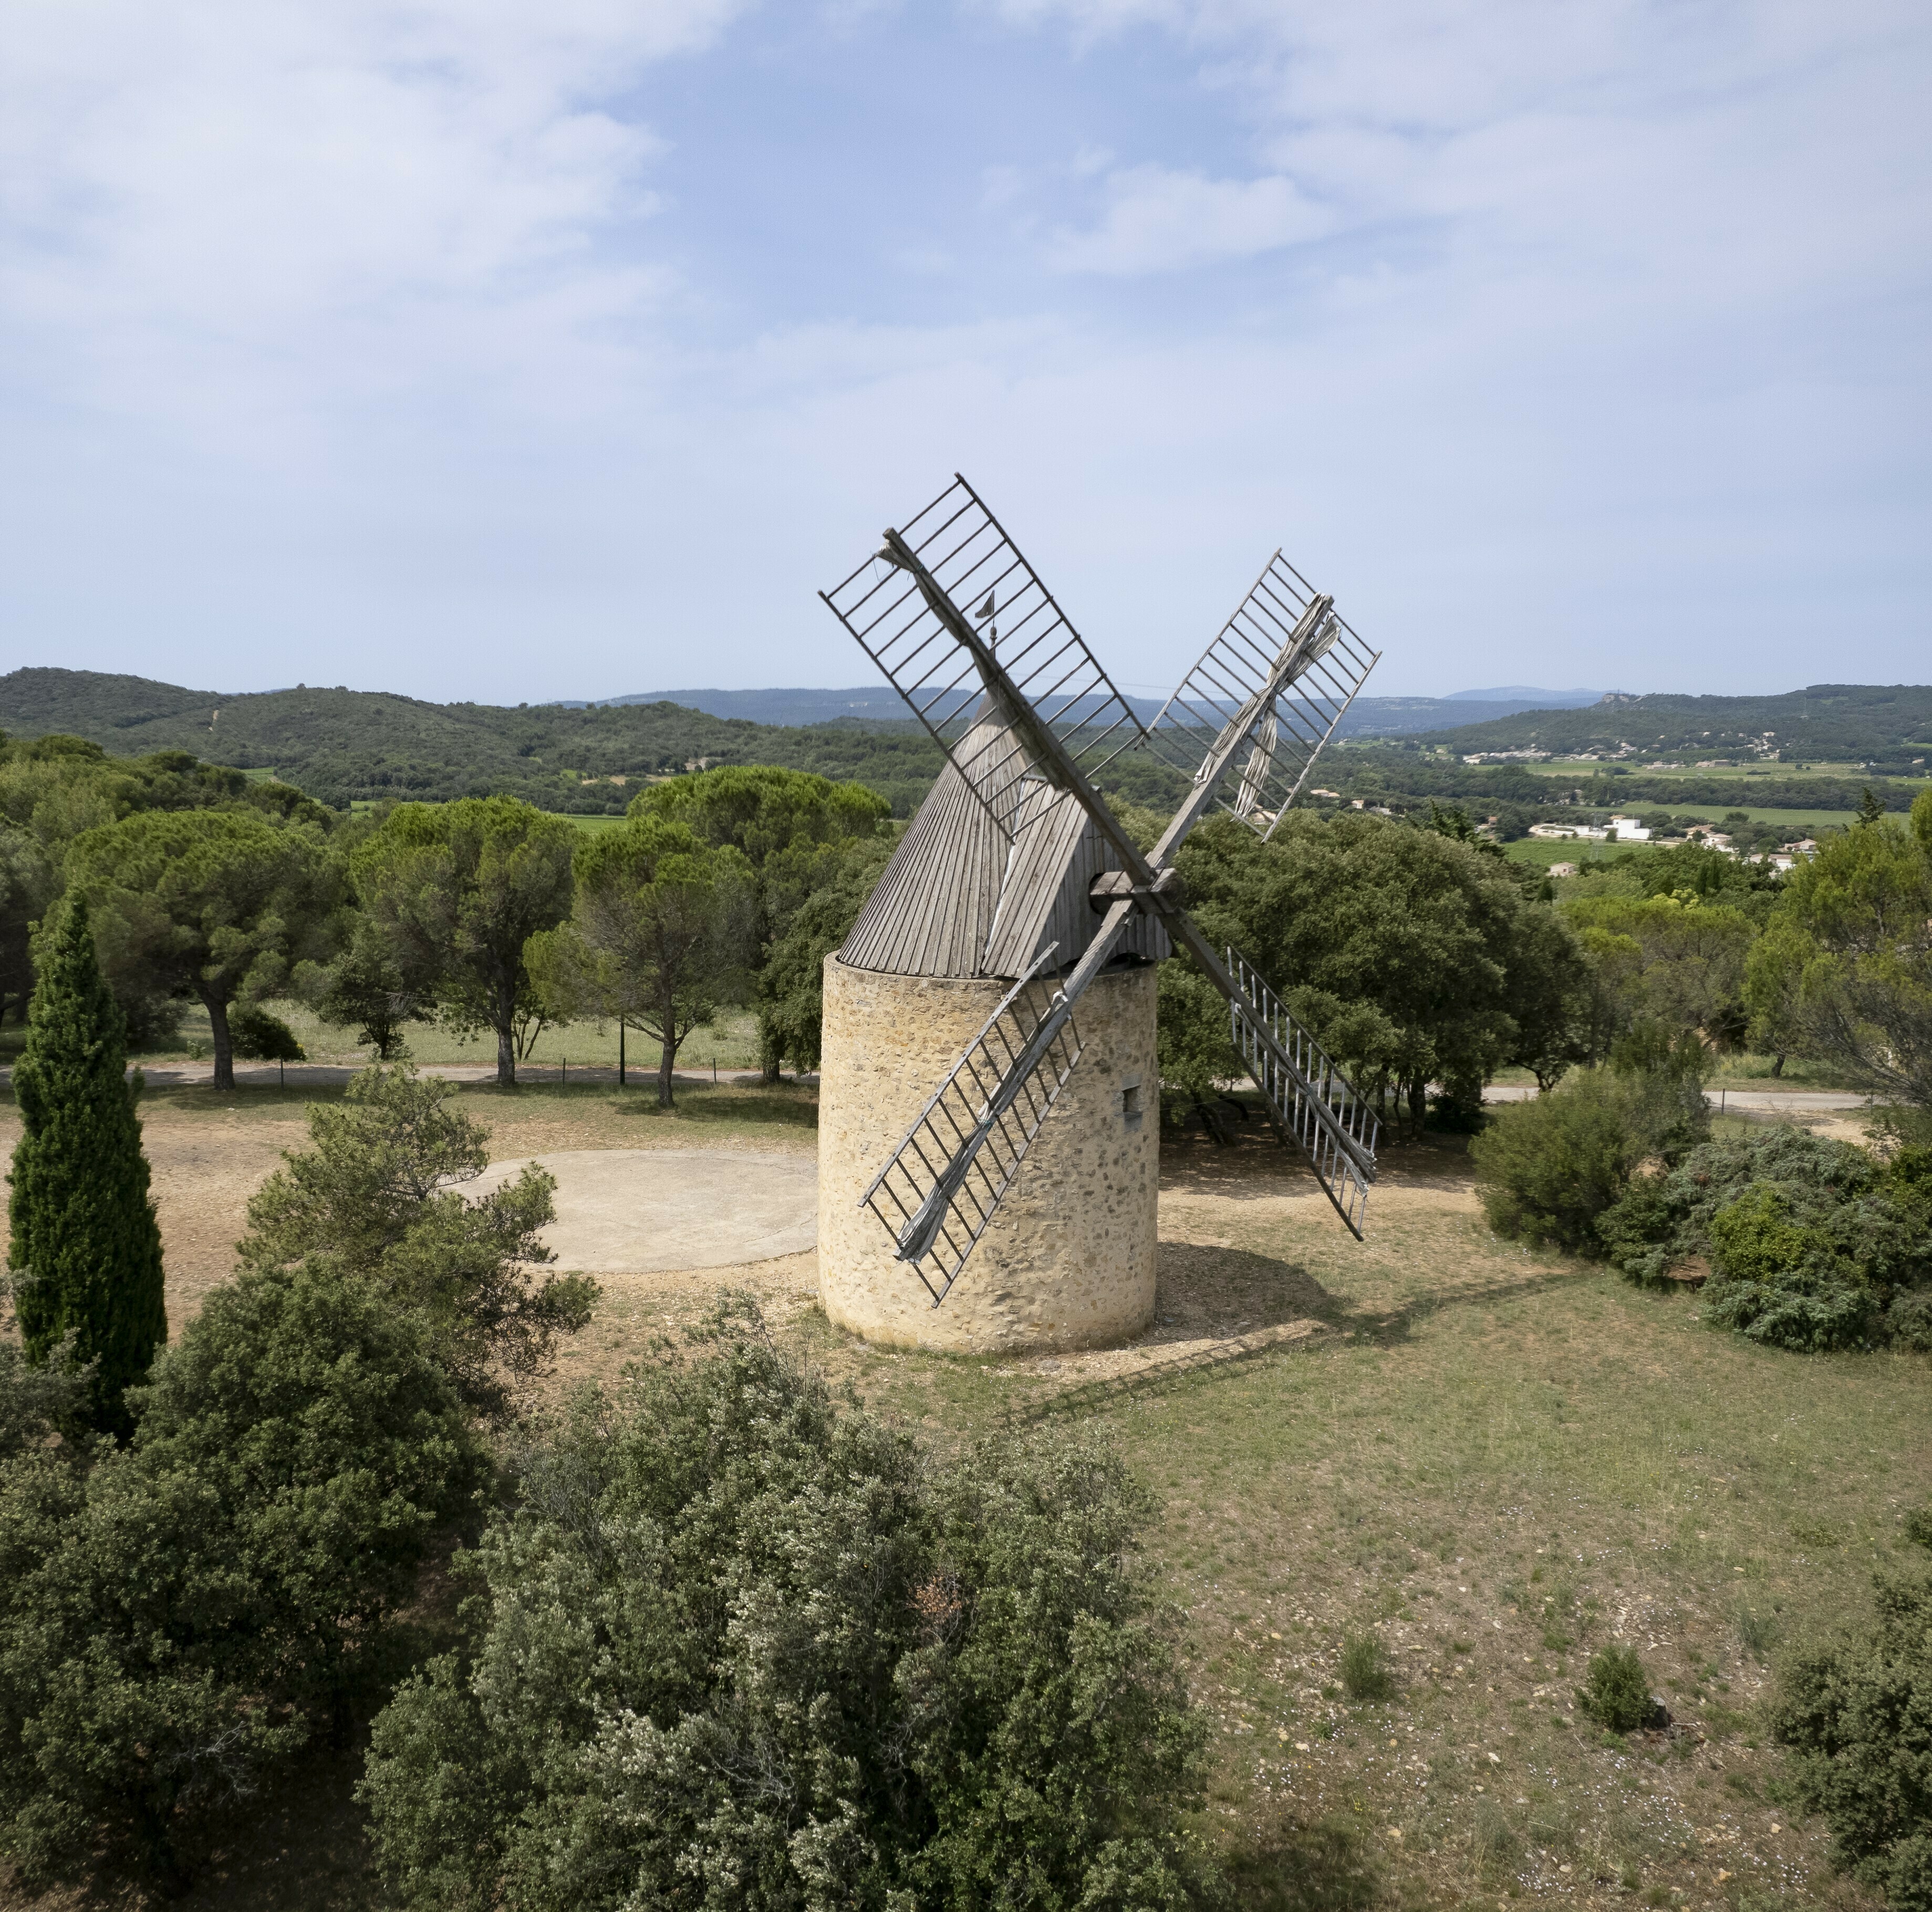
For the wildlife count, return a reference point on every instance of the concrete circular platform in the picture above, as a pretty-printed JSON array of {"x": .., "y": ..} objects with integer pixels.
[{"x": 639, "y": 1210}]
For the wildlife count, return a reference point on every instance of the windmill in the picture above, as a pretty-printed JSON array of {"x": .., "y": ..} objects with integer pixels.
[{"x": 1014, "y": 936}]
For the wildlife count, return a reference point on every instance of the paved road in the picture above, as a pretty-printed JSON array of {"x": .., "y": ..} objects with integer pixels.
[
  {"x": 328, "y": 1074},
  {"x": 1756, "y": 1100}
]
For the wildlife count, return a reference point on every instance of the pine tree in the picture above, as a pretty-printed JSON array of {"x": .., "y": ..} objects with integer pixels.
[{"x": 86, "y": 1252}]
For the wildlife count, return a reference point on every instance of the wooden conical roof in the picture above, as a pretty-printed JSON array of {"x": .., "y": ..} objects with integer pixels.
[{"x": 958, "y": 900}]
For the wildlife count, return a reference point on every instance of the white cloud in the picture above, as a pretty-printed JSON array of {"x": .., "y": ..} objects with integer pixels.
[
  {"x": 1161, "y": 221},
  {"x": 307, "y": 202}
]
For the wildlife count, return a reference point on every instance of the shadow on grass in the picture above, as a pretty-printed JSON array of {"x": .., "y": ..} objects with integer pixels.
[
  {"x": 700, "y": 1105},
  {"x": 1253, "y": 1294},
  {"x": 1323, "y": 1865},
  {"x": 1251, "y": 1291},
  {"x": 200, "y": 1098}
]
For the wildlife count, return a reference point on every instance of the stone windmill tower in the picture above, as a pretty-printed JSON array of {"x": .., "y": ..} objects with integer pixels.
[{"x": 965, "y": 1114}]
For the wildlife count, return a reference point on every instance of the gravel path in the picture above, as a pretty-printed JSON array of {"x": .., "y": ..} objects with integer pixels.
[{"x": 1758, "y": 1100}]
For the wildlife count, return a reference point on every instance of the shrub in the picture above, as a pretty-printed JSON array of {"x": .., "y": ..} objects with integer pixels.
[
  {"x": 1616, "y": 1692},
  {"x": 1815, "y": 1244},
  {"x": 255, "y": 1035},
  {"x": 1858, "y": 1717},
  {"x": 375, "y": 1195},
  {"x": 1551, "y": 1167},
  {"x": 187, "y": 1613},
  {"x": 737, "y": 1645},
  {"x": 1365, "y": 1669}
]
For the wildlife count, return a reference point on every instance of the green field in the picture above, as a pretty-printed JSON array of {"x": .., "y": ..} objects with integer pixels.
[
  {"x": 1742, "y": 772},
  {"x": 731, "y": 1043}
]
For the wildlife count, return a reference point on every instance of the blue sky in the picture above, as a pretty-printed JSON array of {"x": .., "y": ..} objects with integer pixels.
[{"x": 470, "y": 348}]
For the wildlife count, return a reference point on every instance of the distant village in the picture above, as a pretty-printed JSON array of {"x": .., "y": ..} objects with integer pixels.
[{"x": 1628, "y": 830}]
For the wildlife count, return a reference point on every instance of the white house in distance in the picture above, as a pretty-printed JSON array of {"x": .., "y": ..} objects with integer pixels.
[{"x": 1624, "y": 830}]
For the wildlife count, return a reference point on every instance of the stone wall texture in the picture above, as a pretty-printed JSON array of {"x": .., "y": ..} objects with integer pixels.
[{"x": 1068, "y": 1260}]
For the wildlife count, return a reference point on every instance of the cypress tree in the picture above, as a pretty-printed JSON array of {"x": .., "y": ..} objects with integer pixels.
[{"x": 86, "y": 1252}]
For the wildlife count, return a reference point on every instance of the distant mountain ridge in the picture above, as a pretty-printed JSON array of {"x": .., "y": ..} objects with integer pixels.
[
  {"x": 1368, "y": 716},
  {"x": 343, "y": 747},
  {"x": 1527, "y": 695}
]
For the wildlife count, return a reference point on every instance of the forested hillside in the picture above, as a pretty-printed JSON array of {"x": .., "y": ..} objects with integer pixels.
[
  {"x": 1888, "y": 727},
  {"x": 340, "y": 745}
]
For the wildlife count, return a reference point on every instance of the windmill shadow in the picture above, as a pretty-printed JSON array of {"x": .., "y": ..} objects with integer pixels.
[
  {"x": 1203, "y": 1292},
  {"x": 1216, "y": 1308}
]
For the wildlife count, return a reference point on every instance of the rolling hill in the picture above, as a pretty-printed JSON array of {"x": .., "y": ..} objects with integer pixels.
[
  {"x": 343, "y": 747},
  {"x": 1885, "y": 727},
  {"x": 1367, "y": 716}
]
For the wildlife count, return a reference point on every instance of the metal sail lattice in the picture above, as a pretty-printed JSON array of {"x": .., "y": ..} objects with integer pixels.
[
  {"x": 1316, "y": 1104},
  {"x": 959, "y": 1113},
  {"x": 992, "y": 587},
  {"x": 1284, "y": 733}
]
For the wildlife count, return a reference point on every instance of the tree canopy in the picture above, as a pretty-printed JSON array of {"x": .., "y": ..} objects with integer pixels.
[
  {"x": 1845, "y": 971},
  {"x": 182, "y": 1616},
  {"x": 663, "y": 933},
  {"x": 1403, "y": 950},
  {"x": 810, "y": 844},
  {"x": 377, "y": 1195},
  {"x": 738, "y": 1644},
  {"x": 459, "y": 890},
  {"x": 220, "y": 904}
]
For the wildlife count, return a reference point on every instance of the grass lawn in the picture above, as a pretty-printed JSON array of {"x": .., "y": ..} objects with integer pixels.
[
  {"x": 732, "y": 1043},
  {"x": 1740, "y": 773},
  {"x": 1493, "y": 1461}
]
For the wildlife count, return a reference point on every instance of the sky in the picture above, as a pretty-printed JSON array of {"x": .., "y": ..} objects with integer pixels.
[{"x": 475, "y": 349}]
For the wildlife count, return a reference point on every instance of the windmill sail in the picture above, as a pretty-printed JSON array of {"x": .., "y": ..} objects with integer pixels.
[
  {"x": 939, "y": 1190},
  {"x": 989, "y": 594},
  {"x": 1288, "y": 695},
  {"x": 1312, "y": 1101}
]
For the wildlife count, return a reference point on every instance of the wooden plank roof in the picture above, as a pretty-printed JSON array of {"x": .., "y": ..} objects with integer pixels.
[{"x": 957, "y": 901}]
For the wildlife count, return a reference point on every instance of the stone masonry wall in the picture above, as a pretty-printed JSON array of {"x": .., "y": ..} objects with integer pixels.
[{"x": 1068, "y": 1261}]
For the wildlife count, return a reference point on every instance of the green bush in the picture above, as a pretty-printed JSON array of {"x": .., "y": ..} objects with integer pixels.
[
  {"x": 1550, "y": 1168},
  {"x": 1365, "y": 1669},
  {"x": 1616, "y": 1690},
  {"x": 736, "y": 1645},
  {"x": 1814, "y": 1244},
  {"x": 1858, "y": 1717},
  {"x": 255, "y": 1035},
  {"x": 182, "y": 1616},
  {"x": 376, "y": 1196}
]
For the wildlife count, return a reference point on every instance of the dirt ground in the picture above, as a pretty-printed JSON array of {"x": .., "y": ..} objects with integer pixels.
[{"x": 209, "y": 1154}]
